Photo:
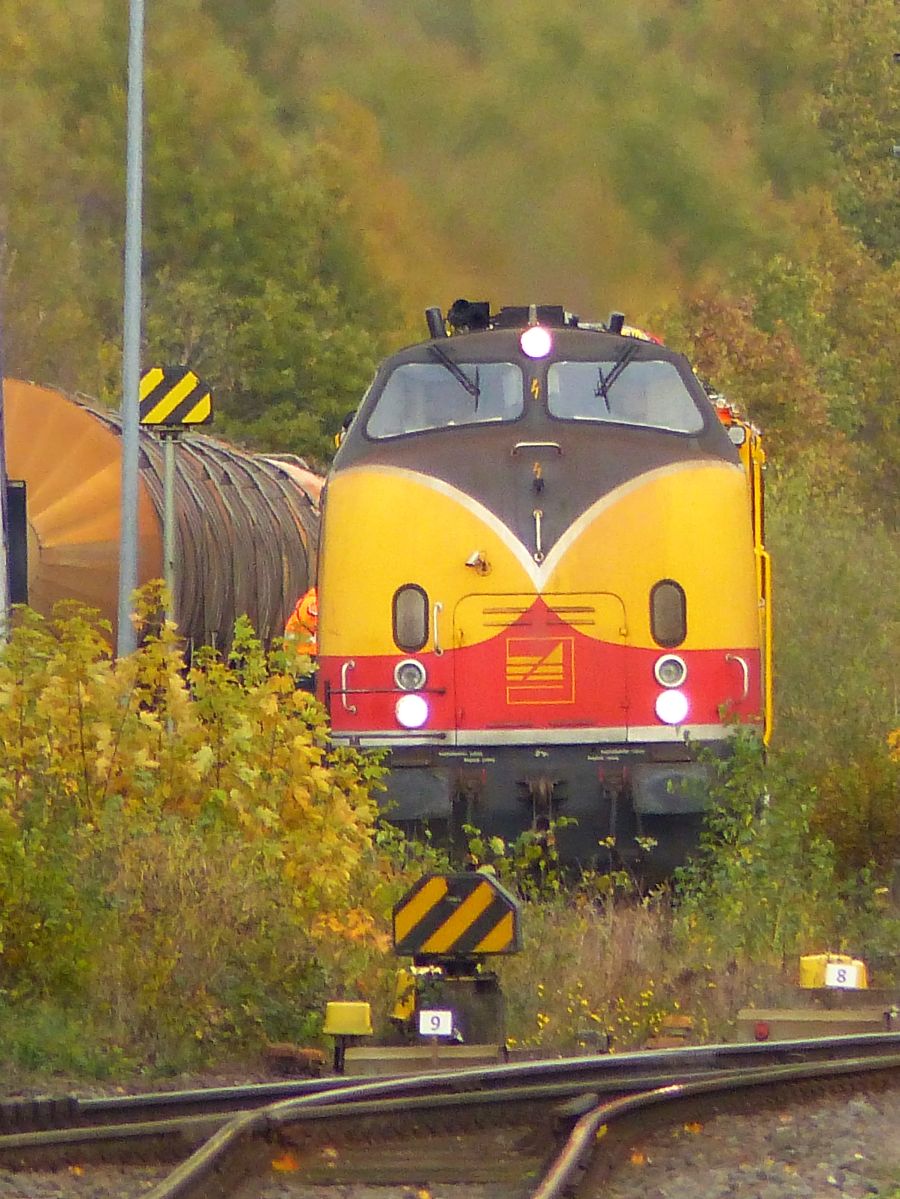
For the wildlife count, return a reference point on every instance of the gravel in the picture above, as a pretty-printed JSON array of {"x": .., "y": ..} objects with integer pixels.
[{"x": 834, "y": 1149}]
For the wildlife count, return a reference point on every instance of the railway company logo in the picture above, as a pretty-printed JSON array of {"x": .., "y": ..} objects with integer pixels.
[{"x": 540, "y": 670}]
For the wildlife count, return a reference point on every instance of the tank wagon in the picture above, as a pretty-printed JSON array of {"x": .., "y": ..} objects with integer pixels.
[
  {"x": 246, "y": 525},
  {"x": 543, "y": 586}
]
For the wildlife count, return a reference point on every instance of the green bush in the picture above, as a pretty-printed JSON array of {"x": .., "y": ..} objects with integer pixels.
[
  {"x": 768, "y": 884},
  {"x": 184, "y": 864}
]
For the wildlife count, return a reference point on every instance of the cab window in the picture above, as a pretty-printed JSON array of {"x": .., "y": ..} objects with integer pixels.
[
  {"x": 648, "y": 393},
  {"x": 430, "y": 395}
]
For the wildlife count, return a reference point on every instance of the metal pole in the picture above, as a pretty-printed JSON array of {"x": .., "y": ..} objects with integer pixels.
[
  {"x": 131, "y": 356},
  {"x": 4, "y": 521},
  {"x": 169, "y": 440}
]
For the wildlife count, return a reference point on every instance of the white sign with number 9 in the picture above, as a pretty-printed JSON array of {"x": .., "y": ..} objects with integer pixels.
[{"x": 435, "y": 1023}]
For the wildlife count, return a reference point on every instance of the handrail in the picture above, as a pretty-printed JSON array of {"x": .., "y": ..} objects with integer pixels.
[
  {"x": 536, "y": 445},
  {"x": 438, "y": 609},
  {"x": 745, "y": 670},
  {"x": 345, "y": 670}
]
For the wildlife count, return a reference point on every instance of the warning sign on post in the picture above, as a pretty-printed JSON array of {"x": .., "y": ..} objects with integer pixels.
[
  {"x": 456, "y": 915},
  {"x": 172, "y": 397}
]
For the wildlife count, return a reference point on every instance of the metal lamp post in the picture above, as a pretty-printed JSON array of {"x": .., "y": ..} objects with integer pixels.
[{"x": 131, "y": 357}]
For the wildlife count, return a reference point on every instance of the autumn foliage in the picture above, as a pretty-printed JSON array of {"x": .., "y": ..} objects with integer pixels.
[{"x": 180, "y": 855}]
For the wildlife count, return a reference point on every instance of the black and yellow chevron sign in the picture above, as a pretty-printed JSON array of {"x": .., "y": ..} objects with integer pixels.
[
  {"x": 456, "y": 915},
  {"x": 174, "y": 396}
]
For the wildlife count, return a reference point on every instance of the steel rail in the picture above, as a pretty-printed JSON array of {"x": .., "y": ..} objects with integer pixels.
[
  {"x": 583, "y": 1143},
  {"x": 359, "y": 1102},
  {"x": 23, "y": 1115},
  {"x": 222, "y": 1150},
  {"x": 206, "y": 1142}
]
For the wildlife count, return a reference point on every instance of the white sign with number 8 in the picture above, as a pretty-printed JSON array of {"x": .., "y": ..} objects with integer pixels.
[
  {"x": 434, "y": 1022},
  {"x": 842, "y": 974}
]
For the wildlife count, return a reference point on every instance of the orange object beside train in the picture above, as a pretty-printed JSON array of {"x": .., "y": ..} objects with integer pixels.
[{"x": 302, "y": 625}]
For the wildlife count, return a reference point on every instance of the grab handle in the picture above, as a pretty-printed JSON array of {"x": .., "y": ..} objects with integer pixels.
[
  {"x": 536, "y": 445},
  {"x": 345, "y": 670},
  {"x": 438, "y": 609},
  {"x": 745, "y": 670},
  {"x": 538, "y": 554}
]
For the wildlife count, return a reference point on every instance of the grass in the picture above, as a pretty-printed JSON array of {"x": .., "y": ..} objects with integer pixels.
[{"x": 620, "y": 968}]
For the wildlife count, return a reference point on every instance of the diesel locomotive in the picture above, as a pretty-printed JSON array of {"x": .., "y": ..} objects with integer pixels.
[{"x": 543, "y": 585}]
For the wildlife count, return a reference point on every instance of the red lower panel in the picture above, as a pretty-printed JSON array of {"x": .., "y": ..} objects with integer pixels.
[{"x": 533, "y": 682}]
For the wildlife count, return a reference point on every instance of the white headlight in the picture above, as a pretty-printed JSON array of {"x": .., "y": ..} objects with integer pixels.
[
  {"x": 536, "y": 341},
  {"x": 672, "y": 707},
  {"x": 670, "y": 670},
  {"x": 411, "y": 710},
  {"x": 409, "y": 675}
]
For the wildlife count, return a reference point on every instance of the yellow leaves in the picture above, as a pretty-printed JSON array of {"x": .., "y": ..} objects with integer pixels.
[
  {"x": 144, "y": 760},
  {"x": 150, "y": 720},
  {"x": 184, "y": 769},
  {"x": 202, "y": 760},
  {"x": 102, "y": 766},
  {"x": 356, "y": 924}
]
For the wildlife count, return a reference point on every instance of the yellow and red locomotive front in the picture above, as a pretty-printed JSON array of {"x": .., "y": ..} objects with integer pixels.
[{"x": 538, "y": 584}]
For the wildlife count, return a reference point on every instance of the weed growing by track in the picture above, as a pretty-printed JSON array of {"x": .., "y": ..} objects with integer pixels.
[{"x": 766, "y": 886}]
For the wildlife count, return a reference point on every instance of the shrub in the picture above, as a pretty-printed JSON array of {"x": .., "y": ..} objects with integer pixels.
[{"x": 182, "y": 858}]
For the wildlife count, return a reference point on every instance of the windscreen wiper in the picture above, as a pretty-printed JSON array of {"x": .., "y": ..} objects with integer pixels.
[
  {"x": 458, "y": 373},
  {"x": 604, "y": 384}
]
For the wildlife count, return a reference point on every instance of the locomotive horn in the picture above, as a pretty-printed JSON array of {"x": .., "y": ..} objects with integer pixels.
[{"x": 435, "y": 320}]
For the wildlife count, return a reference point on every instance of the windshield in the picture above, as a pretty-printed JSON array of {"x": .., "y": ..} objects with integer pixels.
[
  {"x": 624, "y": 392},
  {"x": 430, "y": 395}
]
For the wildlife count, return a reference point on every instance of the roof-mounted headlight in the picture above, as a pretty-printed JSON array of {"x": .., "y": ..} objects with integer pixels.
[{"x": 536, "y": 341}]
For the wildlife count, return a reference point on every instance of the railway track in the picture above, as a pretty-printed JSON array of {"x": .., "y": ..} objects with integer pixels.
[{"x": 545, "y": 1129}]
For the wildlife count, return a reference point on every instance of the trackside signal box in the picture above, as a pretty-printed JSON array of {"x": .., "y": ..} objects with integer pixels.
[{"x": 447, "y": 924}]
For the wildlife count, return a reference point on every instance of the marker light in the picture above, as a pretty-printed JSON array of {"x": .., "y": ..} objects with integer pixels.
[
  {"x": 411, "y": 710},
  {"x": 670, "y": 670},
  {"x": 536, "y": 341},
  {"x": 409, "y": 675},
  {"x": 672, "y": 707}
]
